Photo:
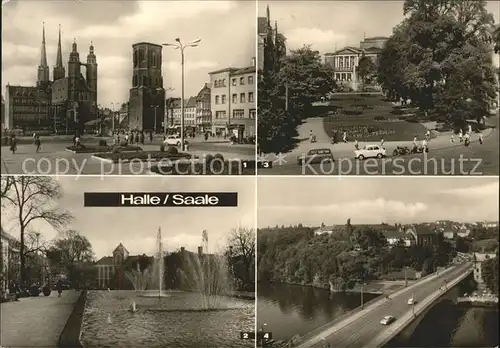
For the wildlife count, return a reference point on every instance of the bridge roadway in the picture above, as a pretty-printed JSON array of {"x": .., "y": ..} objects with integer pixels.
[{"x": 363, "y": 329}]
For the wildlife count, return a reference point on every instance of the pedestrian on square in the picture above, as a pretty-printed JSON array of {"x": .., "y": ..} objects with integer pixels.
[
  {"x": 481, "y": 138},
  {"x": 142, "y": 137},
  {"x": 382, "y": 141},
  {"x": 13, "y": 143},
  {"x": 415, "y": 144},
  {"x": 38, "y": 143},
  {"x": 344, "y": 137},
  {"x": 467, "y": 139},
  {"x": 428, "y": 134},
  {"x": 452, "y": 138},
  {"x": 356, "y": 145},
  {"x": 461, "y": 135},
  {"x": 59, "y": 288}
]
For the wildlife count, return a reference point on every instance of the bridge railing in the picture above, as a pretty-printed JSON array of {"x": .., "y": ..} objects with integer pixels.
[{"x": 358, "y": 309}]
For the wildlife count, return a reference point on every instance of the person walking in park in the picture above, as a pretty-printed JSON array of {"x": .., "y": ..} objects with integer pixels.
[
  {"x": 59, "y": 288},
  {"x": 38, "y": 143}
]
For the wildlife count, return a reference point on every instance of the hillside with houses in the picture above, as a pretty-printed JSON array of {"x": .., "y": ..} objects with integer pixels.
[{"x": 343, "y": 255}]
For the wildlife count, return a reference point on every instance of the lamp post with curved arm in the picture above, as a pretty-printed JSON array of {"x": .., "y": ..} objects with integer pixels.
[{"x": 181, "y": 46}]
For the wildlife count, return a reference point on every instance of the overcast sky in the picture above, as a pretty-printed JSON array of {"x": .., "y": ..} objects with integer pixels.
[
  {"x": 313, "y": 200},
  {"x": 137, "y": 228},
  {"x": 227, "y": 30},
  {"x": 326, "y": 24}
]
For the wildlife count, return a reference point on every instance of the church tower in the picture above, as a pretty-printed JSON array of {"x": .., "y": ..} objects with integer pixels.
[
  {"x": 92, "y": 79},
  {"x": 43, "y": 68},
  {"x": 59, "y": 72},
  {"x": 74, "y": 72}
]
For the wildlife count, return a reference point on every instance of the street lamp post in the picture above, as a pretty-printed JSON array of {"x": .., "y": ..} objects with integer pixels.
[
  {"x": 406, "y": 278},
  {"x": 413, "y": 305},
  {"x": 181, "y": 46},
  {"x": 362, "y": 304},
  {"x": 155, "y": 107}
]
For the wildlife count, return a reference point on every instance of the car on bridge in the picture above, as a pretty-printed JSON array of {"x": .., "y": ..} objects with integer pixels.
[
  {"x": 370, "y": 151},
  {"x": 388, "y": 319},
  {"x": 412, "y": 302},
  {"x": 316, "y": 156}
]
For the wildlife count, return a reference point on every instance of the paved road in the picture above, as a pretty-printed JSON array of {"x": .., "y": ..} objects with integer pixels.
[
  {"x": 450, "y": 160},
  {"x": 36, "y": 321},
  {"x": 367, "y": 326},
  {"x": 54, "y": 159}
]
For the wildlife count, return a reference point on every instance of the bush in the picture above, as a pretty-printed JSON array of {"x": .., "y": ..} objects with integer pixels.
[
  {"x": 116, "y": 149},
  {"x": 379, "y": 118},
  {"x": 395, "y": 111},
  {"x": 102, "y": 142},
  {"x": 123, "y": 143},
  {"x": 172, "y": 150}
]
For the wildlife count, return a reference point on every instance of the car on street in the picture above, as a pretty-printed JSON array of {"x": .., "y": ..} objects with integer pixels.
[
  {"x": 370, "y": 151},
  {"x": 173, "y": 140},
  {"x": 388, "y": 319},
  {"x": 412, "y": 301},
  {"x": 316, "y": 156}
]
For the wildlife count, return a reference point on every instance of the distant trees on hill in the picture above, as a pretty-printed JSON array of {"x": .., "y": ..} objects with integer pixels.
[{"x": 295, "y": 255}]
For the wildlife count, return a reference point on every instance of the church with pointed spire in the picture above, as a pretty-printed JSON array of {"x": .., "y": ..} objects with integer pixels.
[{"x": 59, "y": 105}]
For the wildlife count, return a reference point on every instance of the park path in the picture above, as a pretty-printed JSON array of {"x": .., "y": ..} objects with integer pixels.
[
  {"x": 442, "y": 140},
  {"x": 36, "y": 321}
]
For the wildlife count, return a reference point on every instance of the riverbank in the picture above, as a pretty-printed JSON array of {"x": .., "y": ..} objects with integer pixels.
[
  {"x": 43, "y": 321},
  {"x": 374, "y": 287}
]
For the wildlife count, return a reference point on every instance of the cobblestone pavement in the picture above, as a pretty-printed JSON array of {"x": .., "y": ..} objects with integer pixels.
[{"x": 36, "y": 321}]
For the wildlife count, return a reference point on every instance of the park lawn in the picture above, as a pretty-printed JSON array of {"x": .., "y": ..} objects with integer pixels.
[
  {"x": 103, "y": 149},
  {"x": 356, "y": 114},
  {"x": 142, "y": 156},
  {"x": 486, "y": 245}
]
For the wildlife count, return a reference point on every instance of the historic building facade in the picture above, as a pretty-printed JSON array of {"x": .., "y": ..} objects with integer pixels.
[
  {"x": 61, "y": 104},
  {"x": 345, "y": 61},
  {"x": 233, "y": 101},
  {"x": 147, "y": 95}
]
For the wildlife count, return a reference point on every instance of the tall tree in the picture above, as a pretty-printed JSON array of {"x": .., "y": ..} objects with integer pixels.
[
  {"x": 33, "y": 198},
  {"x": 242, "y": 244},
  {"x": 366, "y": 68},
  {"x": 443, "y": 56},
  {"x": 71, "y": 250}
]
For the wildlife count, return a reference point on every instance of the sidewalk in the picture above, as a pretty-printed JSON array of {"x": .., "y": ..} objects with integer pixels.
[{"x": 36, "y": 321}]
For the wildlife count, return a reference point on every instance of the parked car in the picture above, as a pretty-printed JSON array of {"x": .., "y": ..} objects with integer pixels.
[
  {"x": 388, "y": 319},
  {"x": 316, "y": 156},
  {"x": 412, "y": 301},
  {"x": 370, "y": 151},
  {"x": 174, "y": 140}
]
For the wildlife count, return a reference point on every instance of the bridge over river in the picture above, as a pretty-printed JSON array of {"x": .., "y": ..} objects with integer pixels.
[{"x": 362, "y": 328}]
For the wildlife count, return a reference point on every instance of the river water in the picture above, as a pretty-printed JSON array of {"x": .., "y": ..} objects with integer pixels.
[
  {"x": 448, "y": 324},
  {"x": 288, "y": 310}
]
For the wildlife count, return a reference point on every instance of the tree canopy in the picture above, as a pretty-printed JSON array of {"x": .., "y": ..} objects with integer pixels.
[{"x": 440, "y": 57}]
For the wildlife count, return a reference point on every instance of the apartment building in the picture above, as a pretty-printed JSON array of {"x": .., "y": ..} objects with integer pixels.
[{"x": 233, "y": 101}]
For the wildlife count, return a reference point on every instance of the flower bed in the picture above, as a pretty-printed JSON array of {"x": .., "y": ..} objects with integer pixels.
[
  {"x": 102, "y": 149},
  {"x": 141, "y": 156}
]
